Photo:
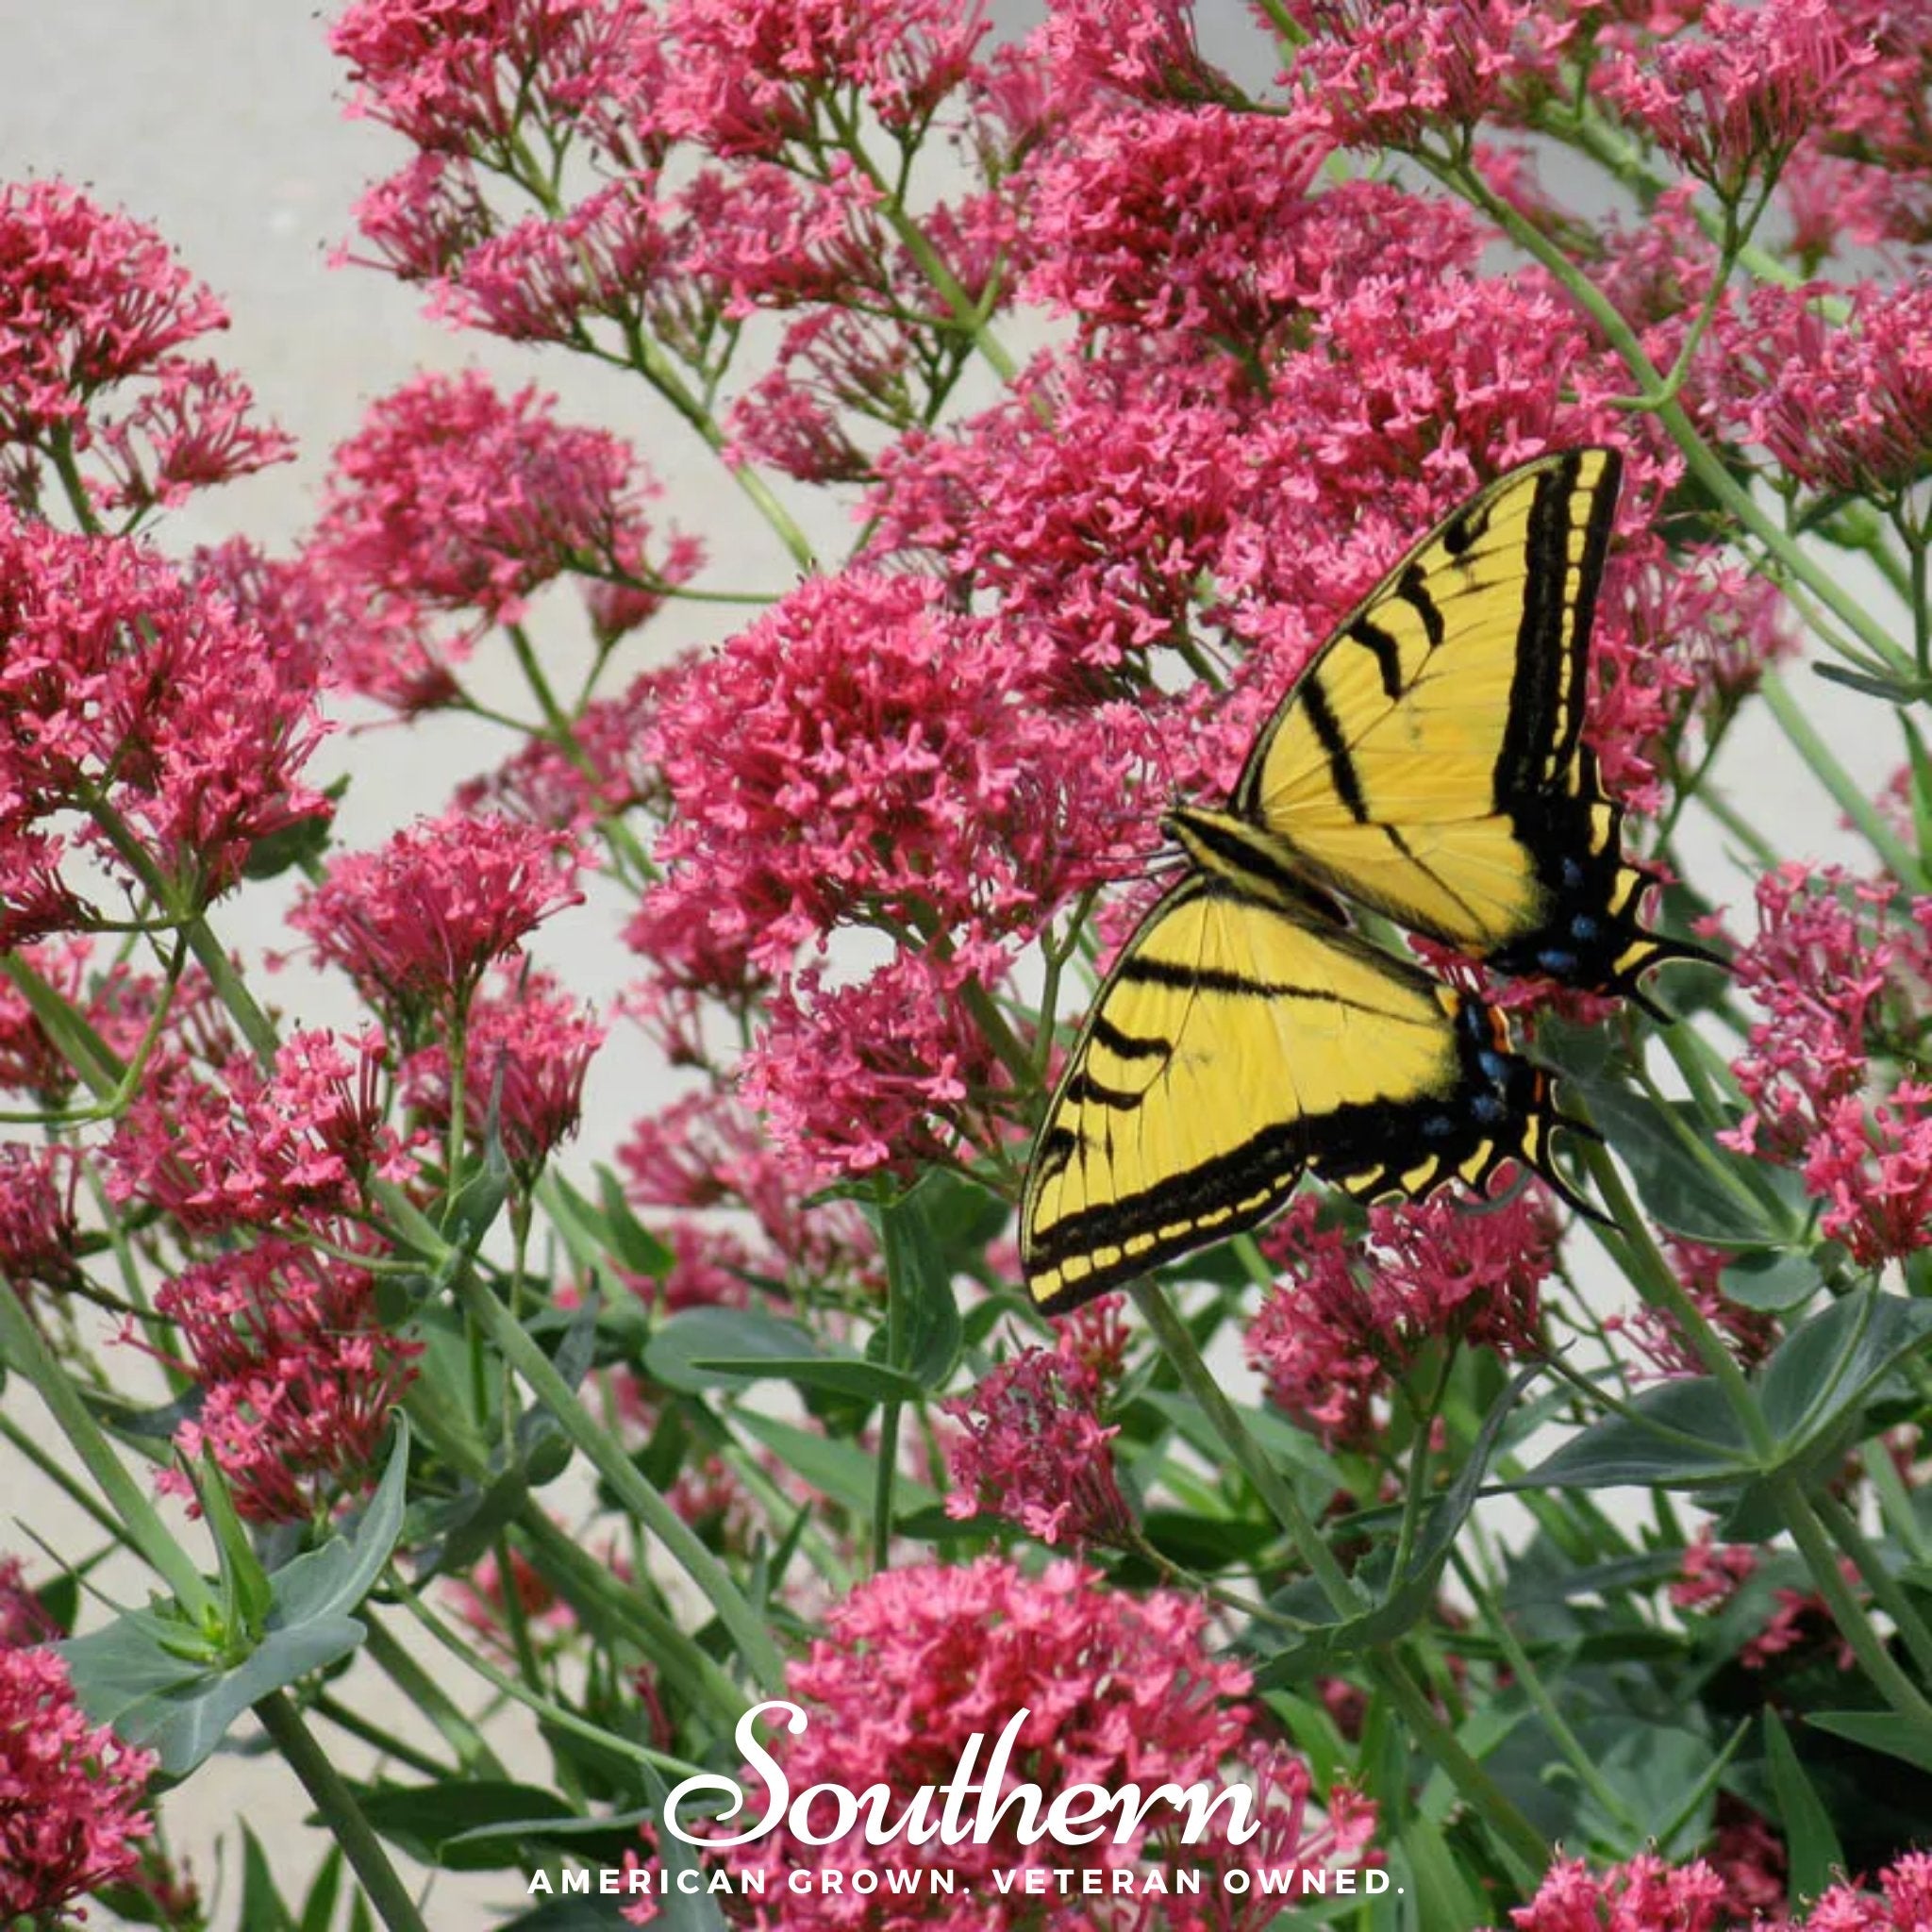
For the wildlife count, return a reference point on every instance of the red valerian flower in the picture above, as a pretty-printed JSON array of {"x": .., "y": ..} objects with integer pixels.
[
  {"x": 1649, "y": 1896},
  {"x": 1032, "y": 1448},
  {"x": 1118, "y": 1690},
  {"x": 219, "y": 1144},
  {"x": 1838, "y": 975},
  {"x": 71, "y": 1795},
  {"x": 1645, "y": 1895},
  {"x": 1842, "y": 405},
  {"x": 741, "y": 76},
  {"x": 419, "y": 922},
  {"x": 529, "y": 1046},
  {"x": 38, "y": 1227},
  {"x": 1353, "y": 1314},
  {"x": 1736, "y": 99},
  {"x": 147, "y": 710},
  {"x": 90, "y": 302},
  {"x": 708, "y": 1152},
  {"x": 1388, "y": 73},
  {"x": 455, "y": 499},
  {"x": 297, "y": 1371}
]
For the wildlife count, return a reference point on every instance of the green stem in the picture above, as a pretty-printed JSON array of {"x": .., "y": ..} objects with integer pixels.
[
  {"x": 1519, "y": 1840},
  {"x": 1652, "y": 1277},
  {"x": 547, "y": 1710},
  {"x": 140, "y": 1522},
  {"x": 452, "y": 1725},
  {"x": 747, "y": 1631},
  {"x": 1846, "y": 792},
  {"x": 1847, "y": 1613},
  {"x": 1843, "y": 1527},
  {"x": 1530, "y": 1680},
  {"x": 384, "y": 1888}
]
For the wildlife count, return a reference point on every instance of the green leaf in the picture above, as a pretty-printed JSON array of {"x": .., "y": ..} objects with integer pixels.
[
  {"x": 1817, "y": 1382},
  {"x": 709, "y": 1334},
  {"x": 1772, "y": 1282},
  {"x": 427, "y": 1820},
  {"x": 262, "y": 1910},
  {"x": 333, "y": 1580},
  {"x": 135, "y": 1658},
  {"x": 1659, "y": 1145},
  {"x": 1878, "y": 1730},
  {"x": 834, "y": 1373},
  {"x": 1681, "y": 1435},
  {"x": 319, "y": 1907},
  {"x": 1408, "y": 1597},
  {"x": 1810, "y": 1840},
  {"x": 183, "y": 1726},
  {"x": 244, "y": 1582},
  {"x": 1892, "y": 691},
  {"x": 1444, "y": 1898},
  {"x": 840, "y": 1471},
  {"x": 631, "y": 1242},
  {"x": 924, "y": 1313}
]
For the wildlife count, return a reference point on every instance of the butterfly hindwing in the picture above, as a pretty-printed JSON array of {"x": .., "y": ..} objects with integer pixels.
[
  {"x": 1428, "y": 765},
  {"x": 1240, "y": 1039}
]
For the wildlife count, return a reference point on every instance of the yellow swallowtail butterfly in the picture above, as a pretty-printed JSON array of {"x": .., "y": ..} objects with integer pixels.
[{"x": 1427, "y": 765}]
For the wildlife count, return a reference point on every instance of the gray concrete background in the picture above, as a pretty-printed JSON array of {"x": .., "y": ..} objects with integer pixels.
[{"x": 219, "y": 122}]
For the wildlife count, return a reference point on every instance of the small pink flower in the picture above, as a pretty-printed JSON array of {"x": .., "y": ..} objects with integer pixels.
[
  {"x": 529, "y": 1046},
  {"x": 1353, "y": 1315},
  {"x": 418, "y": 921},
  {"x": 125, "y": 685},
  {"x": 454, "y": 500},
  {"x": 219, "y": 1144},
  {"x": 1736, "y": 99},
  {"x": 38, "y": 1227},
  {"x": 1118, "y": 1690},
  {"x": 91, "y": 302},
  {"x": 1842, "y": 405},
  {"x": 298, "y": 1377},
  {"x": 70, "y": 1796},
  {"x": 1033, "y": 1449},
  {"x": 1645, "y": 1895}
]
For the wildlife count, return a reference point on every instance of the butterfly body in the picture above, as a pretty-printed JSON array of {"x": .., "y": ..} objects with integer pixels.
[{"x": 1426, "y": 766}]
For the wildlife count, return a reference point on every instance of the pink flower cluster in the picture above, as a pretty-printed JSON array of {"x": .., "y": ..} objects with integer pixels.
[
  {"x": 146, "y": 713},
  {"x": 1032, "y": 1448},
  {"x": 455, "y": 502},
  {"x": 71, "y": 1795},
  {"x": 529, "y": 1046},
  {"x": 219, "y": 1144},
  {"x": 297, "y": 1371},
  {"x": 417, "y": 924},
  {"x": 1354, "y": 1313},
  {"x": 1648, "y": 1895},
  {"x": 1838, "y": 967},
  {"x": 865, "y": 756},
  {"x": 94, "y": 313},
  {"x": 1118, "y": 1690},
  {"x": 707, "y": 1159}
]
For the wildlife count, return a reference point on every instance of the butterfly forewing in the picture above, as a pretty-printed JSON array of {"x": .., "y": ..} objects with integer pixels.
[{"x": 1426, "y": 760}]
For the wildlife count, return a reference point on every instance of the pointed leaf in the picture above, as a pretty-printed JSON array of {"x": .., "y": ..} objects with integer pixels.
[
  {"x": 1681, "y": 1435},
  {"x": 1810, "y": 1839},
  {"x": 919, "y": 1278},
  {"x": 1879, "y": 1730},
  {"x": 713, "y": 1333},
  {"x": 1677, "y": 1184}
]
